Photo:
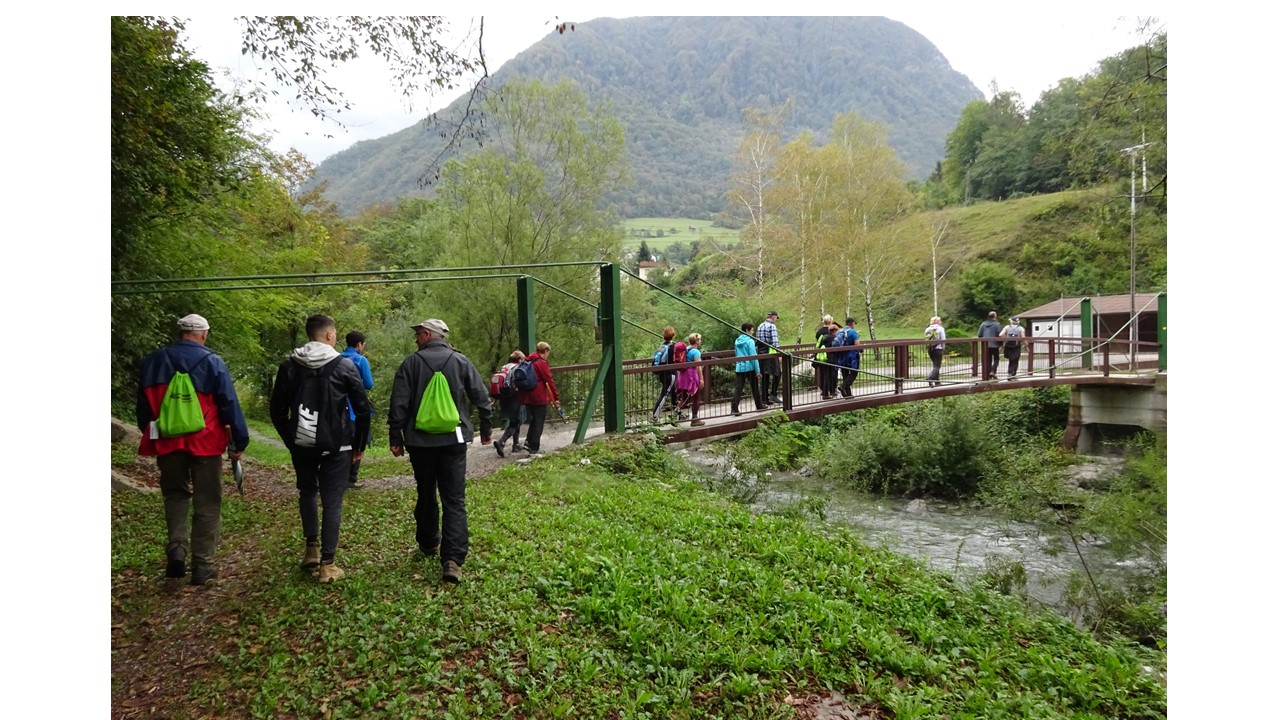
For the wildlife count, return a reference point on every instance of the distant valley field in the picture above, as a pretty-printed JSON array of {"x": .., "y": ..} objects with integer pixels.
[{"x": 660, "y": 232}]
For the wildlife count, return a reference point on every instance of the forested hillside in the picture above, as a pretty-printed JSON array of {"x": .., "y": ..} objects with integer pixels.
[{"x": 679, "y": 85}]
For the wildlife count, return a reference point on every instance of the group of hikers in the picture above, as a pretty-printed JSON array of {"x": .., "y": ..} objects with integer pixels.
[
  {"x": 189, "y": 415},
  {"x": 834, "y": 372},
  {"x": 763, "y": 377}
]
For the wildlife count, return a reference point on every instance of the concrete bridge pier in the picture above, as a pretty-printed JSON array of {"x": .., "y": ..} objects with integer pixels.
[{"x": 1101, "y": 411}]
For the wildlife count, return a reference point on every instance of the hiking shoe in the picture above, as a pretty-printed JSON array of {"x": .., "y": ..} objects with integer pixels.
[
  {"x": 176, "y": 565},
  {"x": 498, "y": 446},
  {"x": 517, "y": 447},
  {"x": 201, "y": 574},
  {"x": 451, "y": 572},
  {"x": 696, "y": 423},
  {"x": 312, "y": 557},
  {"x": 431, "y": 551},
  {"x": 330, "y": 572}
]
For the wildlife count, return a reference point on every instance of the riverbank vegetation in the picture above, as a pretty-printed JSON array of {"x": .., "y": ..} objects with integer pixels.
[
  {"x": 1000, "y": 451},
  {"x": 603, "y": 581}
]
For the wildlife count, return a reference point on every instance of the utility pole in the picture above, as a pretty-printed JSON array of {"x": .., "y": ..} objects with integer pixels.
[{"x": 1132, "y": 152}]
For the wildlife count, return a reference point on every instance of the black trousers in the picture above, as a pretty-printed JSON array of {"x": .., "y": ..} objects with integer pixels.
[
  {"x": 847, "y": 377},
  {"x": 738, "y": 380},
  {"x": 935, "y": 355},
  {"x": 770, "y": 378},
  {"x": 324, "y": 475},
  {"x": 993, "y": 362},
  {"x": 441, "y": 470},
  {"x": 1013, "y": 355},
  {"x": 513, "y": 413},
  {"x": 537, "y": 417}
]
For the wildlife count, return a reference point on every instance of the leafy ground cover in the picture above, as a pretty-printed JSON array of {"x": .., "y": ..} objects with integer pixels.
[{"x": 603, "y": 581}]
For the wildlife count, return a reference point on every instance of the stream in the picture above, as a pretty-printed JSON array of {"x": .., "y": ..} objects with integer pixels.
[{"x": 950, "y": 537}]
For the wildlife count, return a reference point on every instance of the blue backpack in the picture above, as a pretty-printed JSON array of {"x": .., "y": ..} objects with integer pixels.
[
  {"x": 845, "y": 338},
  {"x": 523, "y": 377}
]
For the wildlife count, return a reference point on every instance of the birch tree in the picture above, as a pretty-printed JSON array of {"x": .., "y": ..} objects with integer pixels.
[
  {"x": 751, "y": 184},
  {"x": 874, "y": 197}
]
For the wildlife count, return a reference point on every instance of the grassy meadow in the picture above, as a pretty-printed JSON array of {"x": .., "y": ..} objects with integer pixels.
[
  {"x": 686, "y": 230},
  {"x": 604, "y": 581}
]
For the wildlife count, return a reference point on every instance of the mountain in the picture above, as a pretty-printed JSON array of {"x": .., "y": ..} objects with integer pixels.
[{"x": 680, "y": 84}]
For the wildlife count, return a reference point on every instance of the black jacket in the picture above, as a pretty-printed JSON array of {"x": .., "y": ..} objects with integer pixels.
[
  {"x": 343, "y": 384},
  {"x": 411, "y": 381}
]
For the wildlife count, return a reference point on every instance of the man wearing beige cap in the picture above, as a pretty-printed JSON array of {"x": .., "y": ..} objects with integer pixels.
[
  {"x": 439, "y": 458},
  {"x": 190, "y": 463}
]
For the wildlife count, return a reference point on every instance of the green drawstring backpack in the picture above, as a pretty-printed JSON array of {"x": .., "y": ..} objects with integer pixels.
[
  {"x": 180, "y": 412},
  {"x": 437, "y": 412}
]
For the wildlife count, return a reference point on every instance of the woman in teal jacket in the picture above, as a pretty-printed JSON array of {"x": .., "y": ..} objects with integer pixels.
[{"x": 746, "y": 370}]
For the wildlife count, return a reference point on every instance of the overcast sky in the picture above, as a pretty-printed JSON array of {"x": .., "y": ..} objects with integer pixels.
[{"x": 1021, "y": 47}]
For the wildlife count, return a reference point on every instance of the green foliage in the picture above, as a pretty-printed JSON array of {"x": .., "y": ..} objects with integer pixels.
[
  {"x": 1071, "y": 137},
  {"x": 927, "y": 448},
  {"x": 986, "y": 286},
  {"x": 775, "y": 444},
  {"x": 532, "y": 197},
  {"x": 174, "y": 136}
]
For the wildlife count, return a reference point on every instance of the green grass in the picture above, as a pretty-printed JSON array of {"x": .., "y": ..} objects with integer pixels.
[
  {"x": 604, "y": 582},
  {"x": 705, "y": 230},
  {"x": 378, "y": 460}
]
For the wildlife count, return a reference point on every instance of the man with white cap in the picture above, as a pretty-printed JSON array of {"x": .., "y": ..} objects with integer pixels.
[
  {"x": 438, "y": 455},
  {"x": 190, "y": 462}
]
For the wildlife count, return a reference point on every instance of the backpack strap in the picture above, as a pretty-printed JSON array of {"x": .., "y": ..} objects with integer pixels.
[{"x": 423, "y": 358}]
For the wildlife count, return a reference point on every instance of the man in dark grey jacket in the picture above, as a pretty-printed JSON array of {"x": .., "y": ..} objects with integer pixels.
[
  {"x": 990, "y": 329},
  {"x": 439, "y": 459}
]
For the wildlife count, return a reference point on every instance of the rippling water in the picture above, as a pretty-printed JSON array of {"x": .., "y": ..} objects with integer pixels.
[{"x": 952, "y": 538}]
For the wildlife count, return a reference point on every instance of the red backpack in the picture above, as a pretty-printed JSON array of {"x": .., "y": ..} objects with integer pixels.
[
  {"x": 680, "y": 353},
  {"x": 499, "y": 380}
]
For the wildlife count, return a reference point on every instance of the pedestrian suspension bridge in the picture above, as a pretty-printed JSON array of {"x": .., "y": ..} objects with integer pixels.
[{"x": 1115, "y": 380}]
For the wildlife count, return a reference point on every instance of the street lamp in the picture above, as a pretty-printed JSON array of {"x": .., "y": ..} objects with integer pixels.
[{"x": 1132, "y": 152}]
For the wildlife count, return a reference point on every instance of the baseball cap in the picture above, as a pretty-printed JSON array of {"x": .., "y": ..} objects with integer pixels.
[
  {"x": 193, "y": 322},
  {"x": 435, "y": 325},
  {"x": 772, "y": 313}
]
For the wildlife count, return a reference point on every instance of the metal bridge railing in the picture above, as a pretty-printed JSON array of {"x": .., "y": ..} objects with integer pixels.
[{"x": 887, "y": 367}]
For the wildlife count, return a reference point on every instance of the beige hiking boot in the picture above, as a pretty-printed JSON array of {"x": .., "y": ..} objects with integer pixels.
[
  {"x": 330, "y": 572},
  {"x": 312, "y": 557},
  {"x": 451, "y": 572}
]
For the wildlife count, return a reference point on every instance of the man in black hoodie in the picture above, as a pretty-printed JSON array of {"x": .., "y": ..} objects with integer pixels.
[{"x": 309, "y": 410}]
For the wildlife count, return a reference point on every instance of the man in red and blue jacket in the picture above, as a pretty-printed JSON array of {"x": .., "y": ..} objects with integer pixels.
[{"x": 191, "y": 465}]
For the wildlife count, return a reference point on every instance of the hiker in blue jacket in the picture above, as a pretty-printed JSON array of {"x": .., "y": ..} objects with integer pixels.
[
  {"x": 850, "y": 361},
  {"x": 355, "y": 353},
  {"x": 746, "y": 370}
]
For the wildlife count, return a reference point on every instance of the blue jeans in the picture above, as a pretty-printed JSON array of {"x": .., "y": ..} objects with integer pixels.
[{"x": 443, "y": 470}]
